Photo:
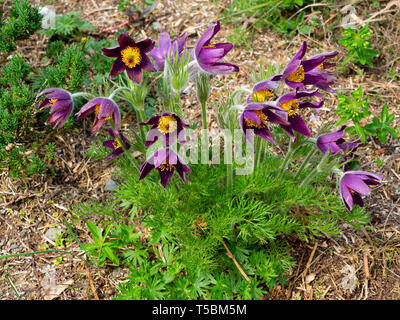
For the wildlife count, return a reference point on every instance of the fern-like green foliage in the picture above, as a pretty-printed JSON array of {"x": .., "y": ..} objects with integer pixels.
[
  {"x": 68, "y": 25},
  {"x": 191, "y": 224},
  {"x": 22, "y": 22}
]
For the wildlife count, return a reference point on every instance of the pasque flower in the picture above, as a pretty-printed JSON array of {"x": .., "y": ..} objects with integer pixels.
[
  {"x": 167, "y": 125},
  {"x": 131, "y": 56},
  {"x": 208, "y": 56},
  {"x": 255, "y": 117},
  {"x": 263, "y": 91},
  {"x": 312, "y": 71},
  {"x": 165, "y": 161},
  {"x": 160, "y": 53},
  {"x": 104, "y": 109},
  {"x": 353, "y": 184},
  {"x": 115, "y": 144},
  {"x": 334, "y": 142},
  {"x": 290, "y": 107},
  {"x": 61, "y": 106}
]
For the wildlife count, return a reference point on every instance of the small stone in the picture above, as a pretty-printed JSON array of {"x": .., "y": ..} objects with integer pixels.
[
  {"x": 13, "y": 246},
  {"x": 110, "y": 185},
  {"x": 156, "y": 26},
  {"x": 52, "y": 233}
]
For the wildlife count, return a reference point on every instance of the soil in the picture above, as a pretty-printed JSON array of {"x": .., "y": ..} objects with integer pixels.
[{"x": 357, "y": 265}]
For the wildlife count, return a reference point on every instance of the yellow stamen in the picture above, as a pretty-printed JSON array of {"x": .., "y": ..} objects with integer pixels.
[
  {"x": 131, "y": 56},
  {"x": 116, "y": 144},
  {"x": 209, "y": 46},
  {"x": 297, "y": 76},
  {"x": 97, "y": 111},
  {"x": 291, "y": 106},
  {"x": 352, "y": 191},
  {"x": 321, "y": 66},
  {"x": 167, "y": 124},
  {"x": 261, "y": 116},
  {"x": 263, "y": 95},
  {"x": 165, "y": 165},
  {"x": 53, "y": 101}
]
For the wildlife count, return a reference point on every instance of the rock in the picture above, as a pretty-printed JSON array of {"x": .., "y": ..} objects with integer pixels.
[
  {"x": 156, "y": 26},
  {"x": 13, "y": 246},
  {"x": 110, "y": 185},
  {"x": 52, "y": 233}
]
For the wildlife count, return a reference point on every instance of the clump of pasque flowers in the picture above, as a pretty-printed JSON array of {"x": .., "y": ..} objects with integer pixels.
[{"x": 262, "y": 108}]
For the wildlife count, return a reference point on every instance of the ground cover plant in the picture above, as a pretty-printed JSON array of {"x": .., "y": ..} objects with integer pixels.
[{"x": 204, "y": 209}]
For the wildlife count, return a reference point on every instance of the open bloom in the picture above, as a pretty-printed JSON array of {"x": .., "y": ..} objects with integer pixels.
[
  {"x": 131, "y": 56},
  {"x": 167, "y": 125},
  {"x": 115, "y": 145},
  {"x": 353, "y": 184},
  {"x": 255, "y": 117},
  {"x": 208, "y": 56},
  {"x": 160, "y": 53},
  {"x": 61, "y": 106},
  {"x": 263, "y": 91},
  {"x": 104, "y": 109},
  {"x": 165, "y": 161},
  {"x": 290, "y": 107},
  {"x": 312, "y": 71}
]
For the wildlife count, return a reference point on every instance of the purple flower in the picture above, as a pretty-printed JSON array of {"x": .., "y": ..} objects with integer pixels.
[
  {"x": 131, "y": 56},
  {"x": 208, "y": 55},
  {"x": 115, "y": 145},
  {"x": 104, "y": 109},
  {"x": 169, "y": 126},
  {"x": 299, "y": 73},
  {"x": 61, "y": 106},
  {"x": 159, "y": 54},
  {"x": 255, "y": 117},
  {"x": 165, "y": 161},
  {"x": 335, "y": 142},
  {"x": 290, "y": 107},
  {"x": 263, "y": 91},
  {"x": 355, "y": 183}
]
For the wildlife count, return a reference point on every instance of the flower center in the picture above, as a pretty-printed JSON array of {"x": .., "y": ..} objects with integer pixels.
[
  {"x": 167, "y": 124},
  {"x": 131, "y": 56},
  {"x": 352, "y": 191},
  {"x": 209, "y": 46},
  {"x": 297, "y": 76},
  {"x": 291, "y": 106},
  {"x": 321, "y": 66},
  {"x": 165, "y": 166},
  {"x": 262, "y": 95},
  {"x": 53, "y": 101},
  {"x": 261, "y": 116},
  {"x": 116, "y": 144},
  {"x": 97, "y": 111}
]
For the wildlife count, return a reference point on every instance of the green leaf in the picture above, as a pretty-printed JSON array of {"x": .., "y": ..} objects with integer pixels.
[
  {"x": 96, "y": 232},
  {"x": 382, "y": 136},
  {"x": 111, "y": 255}
]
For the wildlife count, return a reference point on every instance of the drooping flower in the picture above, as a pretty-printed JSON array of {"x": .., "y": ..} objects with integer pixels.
[
  {"x": 115, "y": 145},
  {"x": 255, "y": 117},
  {"x": 160, "y": 53},
  {"x": 165, "y": 161},
  {"x": 104, "y": 109},
  {"x": 334, "y": 142},
  {"x": 312, "y": 71},
  {"x": 208, "y": 56},
  {"x": 61, "y": 106},
  {"x": 353, "y": 184},
  {"x": 290, "y": 107},
  {"x": 167, "y": 125},
  {"x": 131, "y": 56},
  {"x": 263, "y": 91}
]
